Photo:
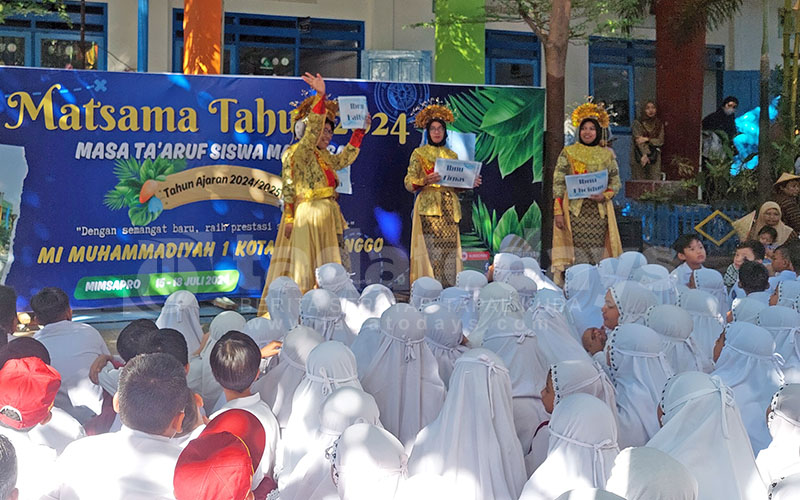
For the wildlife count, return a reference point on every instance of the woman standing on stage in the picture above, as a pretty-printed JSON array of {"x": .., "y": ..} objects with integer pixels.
[
  {"x": 435, "y": 238},
  {"x": 585, "y": 229}
]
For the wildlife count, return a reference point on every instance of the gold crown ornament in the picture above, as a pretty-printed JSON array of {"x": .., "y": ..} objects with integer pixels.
[
  {"x": 432, "y": 110},
  {"x": 590, "y": 110},
  {"x": 301, "y": 111}
]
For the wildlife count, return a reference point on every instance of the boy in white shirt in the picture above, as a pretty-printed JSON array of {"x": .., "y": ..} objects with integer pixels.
[
  {"x": 72, "y": 347},
  {"x": 691, "y": 253},
  {"x": 130, "y": 342},
  {"x": 139, "y": 460},
  {"x": 8, "y": 470},
  {"x": 235, "y": 361}
]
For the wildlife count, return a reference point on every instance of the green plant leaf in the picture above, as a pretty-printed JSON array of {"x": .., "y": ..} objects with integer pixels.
[
  {"x": 508, "y": 224},
  {"x": 531, "y": 224},
  {"x": 114, "y": 199},
  {"x": 510, "y": 114},
  {"x": 514, "y": 152},
  {"x": 126, "y": 169},
  {"x": 141, "y": 216}
]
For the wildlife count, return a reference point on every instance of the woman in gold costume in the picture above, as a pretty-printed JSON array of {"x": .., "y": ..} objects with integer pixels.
[
  {"x": 585, "y": 229},
  {"x": 435, "y": 238},
  {"x": 312, "y": 226}
]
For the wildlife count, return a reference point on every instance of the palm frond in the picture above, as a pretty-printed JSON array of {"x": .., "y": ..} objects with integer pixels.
[{"x": 126, "y": 169}]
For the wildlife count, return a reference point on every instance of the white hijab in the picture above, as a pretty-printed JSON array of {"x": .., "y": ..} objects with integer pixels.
[
  {"x": 703, "y": 431},
  {"x": 555, "y": 336},
  {"x": 787, "y": 488},
  {"x": 585, "y": 295},
  {"x": 330, "y": 365},
  {"x": 182, "y": 312},
  {"x": 277, "y": 387},
  {"x": 368, "y": 463},
  {"x": 782, "y": 455},
  {"x": 632, "y": 300},
  {"x": 200, "y": 377},
  {"x": 708, "y": 323},
  {"x": 649, "y": 474},
  {"x": 749, "y": 366},
  {"x": 657, "y": 279},
  {"x": 375, "y": 299},
  {"x": 791, "y": 367},
  {"x": 471, "y": 282},
  {"x": 608, "y": 271},
  {"x": 583, "y": 376},
  {"x": 496, "y": 300},
  {"x": 782, "y": 322},
  {"x": 639, "y": 369},
  {"x": 443, "y": 334},
  {"x": 589, "y": 494},
  {"x": 404, "y": 375},
  {"x": 366, "y": 344},
  {"x": 424, "y": 291},
  {"x": 675, "y": 326},
  {"x": 788, "y": 292},
  {"x": 747, "y": 310},
  {"x": 472, "y": 443},
  {"x": 710, "y": 280},
  {"x": 459, "y": 302},
  {"x": 263, "y": 330},
  {"x": 525, "y": 287},
  {"x": 534, "y": 272},
  {"x": 583, "y": 445},
  {"x": 334, "y": 278},
  {"x": 505, "y": 265},
  {"x": 311, "y": 478},
  {"x": 322, "y": 311},
  {"x": 283, "y": 302},
  {"x": 628, "y": 263}
]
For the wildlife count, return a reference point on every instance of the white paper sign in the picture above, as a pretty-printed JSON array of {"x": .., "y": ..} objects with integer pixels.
[
  {"x": 344, "y": 187},
  {"x": 353, "y": 111},
  {"x": 457, "y": 173},
  {"x": 586, "y": 185}
]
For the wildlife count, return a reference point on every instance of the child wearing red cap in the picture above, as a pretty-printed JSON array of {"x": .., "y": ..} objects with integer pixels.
[{"x": 28, "y": 389}]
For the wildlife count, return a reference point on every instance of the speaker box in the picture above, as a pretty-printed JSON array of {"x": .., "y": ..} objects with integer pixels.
[{"x": 630, "y": 232}]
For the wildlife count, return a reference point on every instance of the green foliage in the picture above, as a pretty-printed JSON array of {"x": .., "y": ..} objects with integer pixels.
[
  {"x": 691, "y": 16},
  {"x": 10, "y": 8},
  {"x": 787, "y": 150},
  {"x": 490, "y": 232},
  {"x": 5, "y": 237},
  {"x": 508, "y": 125},
  {"x": 131, "y": 176}
]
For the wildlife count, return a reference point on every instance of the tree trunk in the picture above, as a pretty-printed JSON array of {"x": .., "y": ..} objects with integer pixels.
[
  {"x": 680, "y": 64},
  {"x": 764, "y": 146},
  {"x": 555, "y": 59}
]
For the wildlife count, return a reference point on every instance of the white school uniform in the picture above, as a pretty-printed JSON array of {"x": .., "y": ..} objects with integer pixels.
[
  {"x": 36, "y": 464},
  {"x": 781, "y": 276},
  {"x": 120, "y": 465},
  {"x": 108, "y": 378},
  {"x": 73, "y": 347},
  {"x": 58, "y": 432},
  {"x": 682, "y": 274}
]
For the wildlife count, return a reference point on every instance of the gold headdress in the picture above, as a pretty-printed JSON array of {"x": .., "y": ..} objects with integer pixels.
[
  {"x": 431, "y": 110},
  {"x": 304, "y": 108},
  {"x": 590, "y": 110}
]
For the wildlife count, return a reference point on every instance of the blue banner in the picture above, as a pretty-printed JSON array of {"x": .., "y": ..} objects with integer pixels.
[{"x": 124, "y": 187}]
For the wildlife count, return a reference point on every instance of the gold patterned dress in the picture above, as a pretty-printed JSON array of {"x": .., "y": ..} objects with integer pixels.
[
  {"x": 435, "y": 238},
  {"x": 309, "y": 195},
  {"x": 590, "y": 233}
]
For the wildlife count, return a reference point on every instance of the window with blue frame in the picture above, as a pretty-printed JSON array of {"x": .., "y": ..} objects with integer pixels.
[
  {"x": 52, "y": 42},
  {"x": 283, "y": 46},
  {"x": 512, "y": 58},
  {"x": 622, "y": 73}
]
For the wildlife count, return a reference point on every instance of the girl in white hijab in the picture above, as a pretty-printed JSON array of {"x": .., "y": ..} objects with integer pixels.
[
  {"x": 782, "y": 322},
  {"x": 404, "y": 375},
  {"x": 182, "y": 312},
  {"x": 747, "y": 363},
  {"x": 631, "y": 301},
  {"x": 459, "y": 302},
  {"x": 283, "y": 302},
  {"x": 263, "y": 331},
  {"x": 375, "y": 299},
  {"x": 330, "y": 365},
  {"x": 443, "y": 335},
  {"x": 628, "y": 263},
  {"x": 200, "y": 379},
  {"x": 639, "y": 370},
  {"x": 710, "y": 280},
  {"x": 563, "y": 379},
  {"x": 505, "y": 265},
  {"x": 311, "y": 478},
  {"x": 472, "y": 443},
  {"x": 471, "y": 282},
  {"x": 708, "y": 323},
  {"x": 366, "y": 344},
  {"x": 322, "y": 311},
  {"x": 675, "y": 326},
  {"x": 335, "y": 278},
  {"x": 649, "y": 474},
  {"x": 656, "y": 278},
  {"x": 496, "y": 300},
  {"x": 791, "y": 367},
  {"x": 584, "y": 291},
  {"x": 608, "y": 271},
  {"x": 783, "y": 419},
  {"x": 747, "y": 310},
  {"x": 785, "y": 293},
  {"x": 554, "y": 334},
  {"x": 702, "y": 429},
  {"x": 583, "y": 445},
  {"x": 277, "y": 387},
  {"x": 589, "y": 494},
  {"x": 534, "y": 272},
  {"x": 424, "y": 291},
  {"x": 525, "y": 287},
  {"x": 788, "y": 488},
  {"x": 368, "y": 463}
]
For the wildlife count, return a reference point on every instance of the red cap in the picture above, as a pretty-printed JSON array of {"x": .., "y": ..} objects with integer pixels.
[
  {"x": 214, "y": 466},
  {"x": 245, "y": 426},
  {"x": 28, "y": 389}
]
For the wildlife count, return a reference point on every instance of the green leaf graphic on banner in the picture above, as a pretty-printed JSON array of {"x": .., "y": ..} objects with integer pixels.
[
  {"x": 508, "y": 224},
  {"x": 131, "y": 177}
]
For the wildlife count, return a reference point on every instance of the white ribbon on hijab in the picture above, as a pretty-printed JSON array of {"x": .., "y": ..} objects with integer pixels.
[
  {"x": 708, "y": 323},
  {"x": 749, "y": 366},
  {"x": 443, "y": 334},
  {"x": 583, "y": 445},
  {"x": 283, "y": 302},
  {"x": 675, "y": 326},
  {"x": 702, "y": 430},
  {"x": 404, "y": 375},
  {"x": 781, "y": 456},
  {"x": 471, "y": 282},
  {"x": 585, "y": 295},
  {"x": 649, "y": 474},
  {"x": 424, "y": 291},
  {"x": 368, "y": 463},
  {"x": 182, "y": 312},
  {"x": 496, "y": 300},
  {"x": 639, "y": 369},
  {"x": 472, "y": 443},
  {"x": 322, "y": 311}
]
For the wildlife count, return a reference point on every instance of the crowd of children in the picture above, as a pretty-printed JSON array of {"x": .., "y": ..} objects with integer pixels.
[{"x": 631, "y": 382}]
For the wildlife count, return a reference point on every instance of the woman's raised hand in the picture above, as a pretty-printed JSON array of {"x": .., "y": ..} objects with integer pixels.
[{"x": 315, "y": 82}]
